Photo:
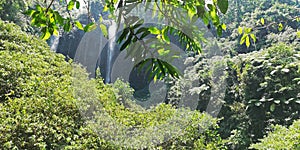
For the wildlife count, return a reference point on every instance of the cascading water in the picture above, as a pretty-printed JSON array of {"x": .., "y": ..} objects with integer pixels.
[
  {"x": 54, "y": 43},
  {"x": 111, "y": 48}
]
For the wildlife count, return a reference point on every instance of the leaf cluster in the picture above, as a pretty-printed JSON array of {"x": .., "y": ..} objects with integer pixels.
[{"x": 274, "y": 140}]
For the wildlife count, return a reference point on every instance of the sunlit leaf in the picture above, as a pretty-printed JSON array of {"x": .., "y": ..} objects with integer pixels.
[
  {"x": 71, "y": 4},
  {"x": 253, "y": 37},
  {"x": 105, "y": 9},
  {"x": 165, "y": 37},
  {"x": 214, "y": 17},
  {"x": 79, "y": 25},
  {"x": 46, "y": 35},
  {"x": 90, "y": 27},
  {"x": 262, "y": 21},
  {"x": 38, "y": 8},
  {"x": 100, "y": 19},
  {"x": 154, "y": 30},
  {"x": 248, "y": 30},
  {"x": 247, "y": 41},
  {"x": 240, "y": 30},
  {"x": 55, "y": 32},
  {"x": 191, "y": 11},
  {"x": 104, "y": 30},
  {"x": 285, "y": 70},
  {"x": 224, "y": 27},
  {"x": 298, "y": 19},
  {"x": 243, "y": 39},
  {"x": 205, "y": 18},
  {"x": 280, "y": 26}
]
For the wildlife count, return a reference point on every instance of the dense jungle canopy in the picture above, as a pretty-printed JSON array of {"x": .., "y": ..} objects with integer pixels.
[{"x": 243, "y": 74}]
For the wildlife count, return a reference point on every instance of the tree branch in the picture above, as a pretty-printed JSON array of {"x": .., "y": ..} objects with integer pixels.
[
  {"x": 49, "y": 5},
  {"x": 139, "y": 39},
  {"x": 71, "y": 20},
  {"x": 87, "y": 6}
]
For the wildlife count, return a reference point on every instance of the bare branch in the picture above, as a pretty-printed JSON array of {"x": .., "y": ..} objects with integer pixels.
[{"x": 49, "y": 5}]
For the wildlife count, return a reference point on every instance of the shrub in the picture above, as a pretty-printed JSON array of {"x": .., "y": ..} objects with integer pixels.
[
  {"x": 262, "y": 88},
  {"x": 161, "y": 126},
  {"x": 248, "y": 13},
  {"x": 12, "y": 10},
  {"x": 265, "y": 91},
  {"x": 48, "y": 103},
  {"x": 281, "y": 138},
  {"x": 38, "y": 109}
]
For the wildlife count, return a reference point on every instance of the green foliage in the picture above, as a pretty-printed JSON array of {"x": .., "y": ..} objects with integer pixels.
[
  {"x": 185, "y": 128},
  {"x": 38, "y": 109},
  {"x": 262, "y": 88},
  {"x": 19, "y": 61},
  {"x": 12, "y": 10},
  {"x": 246, "y": 36},
  {"x": 269, "y": 21},
  {"x": 47, "y": 103},
  {"x": 50, "y": 20},
  {"x": 281, "y": 138},
  {"x": 266, "y": 85}
]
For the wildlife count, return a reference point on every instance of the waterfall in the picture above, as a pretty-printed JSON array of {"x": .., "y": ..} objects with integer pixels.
[
  {"x": 54, "y": 43},
  {"x": 111, "y": 50}
]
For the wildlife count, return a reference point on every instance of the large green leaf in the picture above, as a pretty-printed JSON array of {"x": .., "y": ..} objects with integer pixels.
[
  {"x": 223, "y": 5},
  {"x": 77, "y": 4},
  {"x": 71, "y": 4},
  {"x": 46, "y": 34},
  {"x": 247, "y": 41},
  {"x": 253, "y": 37},
  {"x": 262, "y": 21},
  {"x": 165, "y": 36},
  {"x": 104, "y": 30},
  {"x": 240, "y": 30},
  {"x": 154, "y": 30},
  {"x": 123, "y": 35},
  {"x": 280, "y": 26},
  {"x": 89, "y": 27},
  {"x": 127, "y": 42},
  {"x": 79, "y": 25}
]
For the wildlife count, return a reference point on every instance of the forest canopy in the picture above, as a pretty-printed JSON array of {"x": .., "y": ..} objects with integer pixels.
[{"x": 247, "y": 93}]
